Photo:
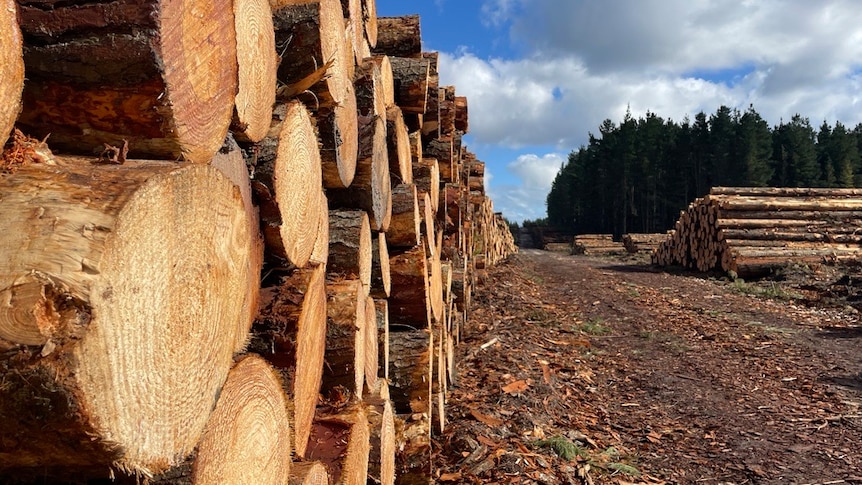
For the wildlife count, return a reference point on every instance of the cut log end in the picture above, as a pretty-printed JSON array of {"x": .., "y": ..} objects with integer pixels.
[{"x": 11, "y": 68}]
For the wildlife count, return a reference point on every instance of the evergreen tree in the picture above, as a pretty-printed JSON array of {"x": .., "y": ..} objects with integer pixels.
[
  {"x": 753, "y": 150},
  {"x": 796, "y": 153}
]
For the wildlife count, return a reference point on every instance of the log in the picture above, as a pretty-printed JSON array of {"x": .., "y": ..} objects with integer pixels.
[
  {"x": 257, "y": 63},
  {"x": 370, "y": 89},
  {"x": 381, "y": 281},
  {"x": 399, "y": 36},
  {"x": 789, "y": 236},
  {"x": 428, "y": 228},
  {"x": 121, "y": 73},
  {"x": 11, "y": 68},
  {"x": 344, "y": 370},
  {"x": 447, "y": 110},
  {"x": 381, "y": 420},
  {"x": 350, "y": 246},
  {"x": 230, "y": 162},
  {"x": 369, "y": 12},
  {"x": 320, "y": 251},
  {"x": 426, "y": 176},
  {"x": 404, "y": 229},
  {"x": 97, "y": 285},
  {"x": 415, "y": 148},
  {"x": 786, "y": 191},
  {"x": 410, "y": 371},
  {"x": 435, "y": 286},
  {"x": 352, "y": 11},
  {"x": 398, "y": 139},
  {"x": 410, "y": 78},
  {"x": 802, "y": 203},
  {"x": 409, "y": 302},
  {"x": 287, "y": 185},
  {"x": 371, "y": 361},
  {"x": 386, "y": 78},
  {"x": 371, "y": 189},
  {"x": 290, "y": 333},
  {"x": 461, "y": 121},
  {"x": 381, "y": 307},
  {"x": 341, "y": 440},
  {"x": 431, "y": 117},
  {"x": 413, "y": 460},
  {"x": 308, "y": 473},
  {"x": 247, "y": 437},
  {"x": 314, "y": 33},
  {"x": 441, "y": 149}
]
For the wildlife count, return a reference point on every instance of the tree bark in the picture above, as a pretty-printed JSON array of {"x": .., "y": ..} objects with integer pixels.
[
  {"x": 247, "y": 437},
  {"x": 11, "y": 68},
  {"x": 121, "y": 72},
  {"x": 344, "y": 369},
  {"x": 97, "y": 285},
  {"x": 381, "y": 280},
  {"x": 386, "y": 78},
  {"x": 257, "y": 62},
  {"x": 350, "y": 246},
  {"x": 426, "y": 176},
  {"x": 399, "y": 36},
  {"x": 370, "y": 89},
  {"x": 461, "y": 121},
  {"x": 410, "y": 371},
  {"x": 441, "y": 149},
  {"x": 411, "y": 83},
  {"x": 447, "y": 110},
  {"x": 409, "y": 302},
  {"x": 381, "y": 420},
  {"x": 381, "y": 307},
  {"x": 404, "y": 229},
  {"x": 341, "y": 440},
  {"x": 398, "y": 138}
]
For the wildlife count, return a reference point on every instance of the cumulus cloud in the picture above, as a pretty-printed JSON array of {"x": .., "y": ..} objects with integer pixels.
[{"x": 526, "y": 199}]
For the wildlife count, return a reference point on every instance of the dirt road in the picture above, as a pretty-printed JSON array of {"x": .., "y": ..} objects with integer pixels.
[{"x": 606, "y": 371}]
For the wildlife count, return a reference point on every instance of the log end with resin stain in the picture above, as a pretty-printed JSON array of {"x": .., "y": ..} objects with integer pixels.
[
  {"x": 97, "y": 285},
  {"x": 341, "y": 440}
]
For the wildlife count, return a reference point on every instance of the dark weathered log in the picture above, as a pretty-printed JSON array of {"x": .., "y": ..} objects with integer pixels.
[
  {"x": 409, "y": 303},
  {"x": 399, "y": 36},
  {"x": 447, "y": 110},
  {"x": 350, "y": 246},
  {"x": 341, "y": 440},
  {"x": 426, "y": 176},
  {"x": 461, "y": 122},
  {"x": 441, "y": 149},
  {"x": 411, "y": 83},
  {"x": 344, "y": 369}
]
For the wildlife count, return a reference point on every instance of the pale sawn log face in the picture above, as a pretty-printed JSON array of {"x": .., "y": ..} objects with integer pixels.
[
  {"x": 11, "y": 68},
  {"x": 111, "y": 278},
  {"x": 257, "y": 63},
  {"x": 160, "y": 75}
]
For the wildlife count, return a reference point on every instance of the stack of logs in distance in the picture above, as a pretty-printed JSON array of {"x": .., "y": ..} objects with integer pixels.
[
  {"x": 596, "y": 244},
  {"x": 753, "y": 231},
  {"x": 241, "y": 240}
]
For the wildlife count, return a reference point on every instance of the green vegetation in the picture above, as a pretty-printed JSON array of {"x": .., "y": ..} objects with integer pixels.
[
  {"x": 768, "y": 289},
  {"x": 563, "y": 447},
  {"x": 594, "y": 326}
]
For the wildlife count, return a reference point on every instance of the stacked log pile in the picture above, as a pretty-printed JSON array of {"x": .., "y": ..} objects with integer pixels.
[
  {"x": 596, "y": 245},
  {"x": 642, "y": 243},
  {"x": 241, "y": 237},
  {"x": 752, "y": 231}
]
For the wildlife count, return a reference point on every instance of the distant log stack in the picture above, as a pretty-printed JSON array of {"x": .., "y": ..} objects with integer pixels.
[
  {"x": 297, "y": 253},
  {"x": 596, "y": 244},
  {"x": 642, "y": 243},
  {"x": 752, "y": 231}
]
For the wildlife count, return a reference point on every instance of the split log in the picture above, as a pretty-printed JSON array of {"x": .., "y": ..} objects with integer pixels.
[
  {"x": 399, "y": 36},
  {"x": 257, "y": 63},
  {"x": 341, "y": 440},
  {"x": 230, "y": 162},
  {"x": 426, "y": 176},
  {"x": 398, "y": 138},
  {"x": 409, "y": 302},
  {"x": 411, "y": 83},
  {"x": 308, "y": 473},
  {"x": 371, "y": 189},
  {"x": 404, "y": 229},
  {"x": 345, "y": 338},
  {"x": 441, "y": 149},
  {"x": 247, "y": 437},
  {"x": 120, "y": 73},
  {"x": 290, "y": 333},
  {"x": 11, "y": 68},
  {"x": 314, "y": 34},
  {"x": 381, "y": 420},
  {"x": 350, "y": 246},
  {"x": 381, "y": 281},
  {"x": 106, "y": 282},
  {"x": 410, "y": 371},
  {"x": 461, "y": 121},
  {"x": 287, "y": 184}
]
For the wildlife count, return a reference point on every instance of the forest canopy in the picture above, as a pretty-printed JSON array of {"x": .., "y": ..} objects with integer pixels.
[{"x": 637, "y": 175}]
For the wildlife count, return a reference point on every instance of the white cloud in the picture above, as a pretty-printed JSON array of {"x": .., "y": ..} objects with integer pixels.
[{"x": 525, "y": 198}]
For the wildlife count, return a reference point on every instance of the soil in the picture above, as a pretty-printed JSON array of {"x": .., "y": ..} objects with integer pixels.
[{"x": 577, "y": 369}]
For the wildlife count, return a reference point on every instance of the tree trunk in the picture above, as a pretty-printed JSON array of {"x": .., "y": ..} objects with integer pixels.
[
  {"x": 287, "y": 185},
  {"x": 11, "y": 68},
  {"x": 404, "y": 230},
  {"x": 247, "y": 437},
  {"x": 103, "y": 282},
  {"x": 350, "y": 246},
  {"x": 257, "y": 62},
  {"x": 344, "y": 369},
  {"x": 399, "y": 36},
  {"x": 398, "y": 138},
  {"x": 122, "y": 72},
  {"x": 341, "y": 440},
  {"x": 290, "y": 332},
  {"x": 411, "y": 83},
  {"x": 371, "y": 189}
]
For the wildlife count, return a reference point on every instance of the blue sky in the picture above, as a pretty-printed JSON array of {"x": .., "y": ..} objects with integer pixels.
[{"x": 540, "y": 75}]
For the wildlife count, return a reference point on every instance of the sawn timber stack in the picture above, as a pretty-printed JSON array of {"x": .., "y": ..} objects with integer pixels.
[{"x": 235, "y": 216}]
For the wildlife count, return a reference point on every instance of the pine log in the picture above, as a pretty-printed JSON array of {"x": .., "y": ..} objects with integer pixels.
[
  {"x": 308, "y": 473},
  {"x": 121, "y": 72},
  {"x": 381, "y": 420},
  {"x": 801, "y": 203},
  {"x": 320, "y": 251},
  {"x": 398, "y": 138},
  {"x": 461, "y": 121},
  {"x": 794, "y": 236},
  {"x": 415, "y": 148},
  {"x": 369, "y": 13},
  {"x": 381, "y": 307},
  {"x": 314, "y": 35},
  {"x": 428, "y": 228},
  {"x": 386, "y": 78},
  {"x": 813, "y": 216},
  {"x": 370, "y": 353},
  {"x": 287, "y": 184},
  {"x": 431, "y": 117},
  {"x": 247, "y": 437},
  {"x": 97, "y": 285},
  {"x": 230, "y": 162},
  {"x": 353, "y": 15},
  {"x": 799, "y": 225},
  {"x": 426, "y": 176},
  {"x": 410, "y": 371},
  {"x": 344, "y": 369},
  {"x": 411, "y": 83},
  {"x": 370, "y": 89},
  {"x": 399, "y": 36},
  {"x": 381, "y": 281},
  {"x": 476, "y": 176},
  {"x": 447, "y": 110},
  {"x": 409, "y": 302},
  {"x": 786, "y": 191},
  {"x": 371, "y": 189},
  {"x": 413, "y": 460},
  {"x": 350, "y": 246},
  {"x": 435, "y": 286},
  {"x": 441, "y": 149},
  {"x": 11, "y": 68},
  {"x": 404, "y": 229},
  {"x": 341, "y": 440},
  {"x": 450, "y": 207},
  {"x": 257, "y": 62},
  {"x": 290, "y": 333}
]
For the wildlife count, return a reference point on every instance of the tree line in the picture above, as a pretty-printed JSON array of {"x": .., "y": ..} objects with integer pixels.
[{"x": 637, "y": 175}]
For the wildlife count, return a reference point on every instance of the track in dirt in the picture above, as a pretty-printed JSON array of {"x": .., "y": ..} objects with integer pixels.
[{"x": 606, "y": 371}]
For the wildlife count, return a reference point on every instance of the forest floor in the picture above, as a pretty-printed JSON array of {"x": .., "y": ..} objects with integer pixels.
[{"x": 579, "y": 369}]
